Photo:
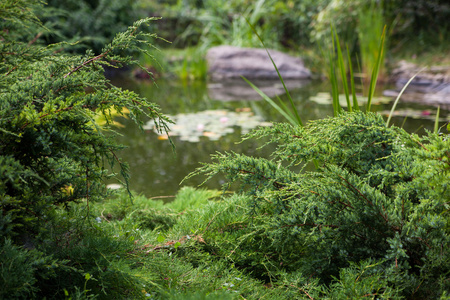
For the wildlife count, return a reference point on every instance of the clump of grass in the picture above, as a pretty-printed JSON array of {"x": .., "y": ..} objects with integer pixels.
[
  {"x": 185, "y": 64},
  {"x": 337, "y": 63},
  {"x": 370, "y": 28}
]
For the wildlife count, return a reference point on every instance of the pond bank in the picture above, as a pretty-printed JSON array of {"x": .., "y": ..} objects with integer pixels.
[{"x": 431, "y": 85}]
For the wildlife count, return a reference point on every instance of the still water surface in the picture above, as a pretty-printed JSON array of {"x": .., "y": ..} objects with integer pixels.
[{"x": 156, "y": 170}]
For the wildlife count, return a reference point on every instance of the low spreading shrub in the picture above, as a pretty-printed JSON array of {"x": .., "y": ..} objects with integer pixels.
[
  {"x": 52, "y": 152},
  {"x": 54, "y": 155},
  {"x": 376, "y": 204}
]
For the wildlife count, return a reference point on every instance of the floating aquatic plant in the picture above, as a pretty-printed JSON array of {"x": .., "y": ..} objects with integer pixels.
[{"x": 211, "y": 124}]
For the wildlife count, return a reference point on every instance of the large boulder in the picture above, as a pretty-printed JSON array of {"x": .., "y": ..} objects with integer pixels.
[{"x": 232, "y": 62}]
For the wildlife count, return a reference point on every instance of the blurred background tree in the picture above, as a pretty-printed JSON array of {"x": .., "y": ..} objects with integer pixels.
[{"x": 90, "y": 23}]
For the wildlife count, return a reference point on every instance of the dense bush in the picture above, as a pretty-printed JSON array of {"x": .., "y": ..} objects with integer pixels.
[
  {"x": 54, "y": 155},
  {"x": 52, "y": 152},
  {"x": 377, "y": 205}
]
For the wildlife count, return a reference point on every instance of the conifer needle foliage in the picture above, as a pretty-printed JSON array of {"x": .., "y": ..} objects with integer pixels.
[
  {"x": 379, "y": 197},
  {"x": 51, "y": 150}
]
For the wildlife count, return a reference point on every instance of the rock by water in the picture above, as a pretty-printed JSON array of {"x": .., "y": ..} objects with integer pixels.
[
  {"x": 225, "y": 62},
  {"x": 431, "y": 86}
]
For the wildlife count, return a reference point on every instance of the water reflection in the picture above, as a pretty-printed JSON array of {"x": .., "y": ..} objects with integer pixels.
[
  {"x": 156, "y": 170},
  {"x": 238, "y": 89}
]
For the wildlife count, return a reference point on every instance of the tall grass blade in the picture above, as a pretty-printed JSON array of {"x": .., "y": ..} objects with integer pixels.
[
  {"x": 369, "y": 28},
  {"x": 399, "y": 95},
  {"x": 376, "y": 69},
  {"x": 294, "y": 109},
  {"x": 333, "y": 78},
  {"x": 335, "y": 92},
  {"x": 404, "y": 121},
  {"x": 352, "y": 82},
  {"x": 284, "y": 113},
  {"x": 341, "y": 66},
  {"x": 361, "y": 76},
  {"x": 436, "y": 121},
  {"x": 284, "y": 106}
]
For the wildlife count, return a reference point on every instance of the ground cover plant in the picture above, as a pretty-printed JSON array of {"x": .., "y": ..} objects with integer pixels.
[
  {"x": 361, "y": 210},
  {"x": 377, "y": 204},
  {"x": 371, "y": 222}
]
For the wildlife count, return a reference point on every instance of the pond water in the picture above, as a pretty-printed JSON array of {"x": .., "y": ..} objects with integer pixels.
[{"x": 211, "y": 118}]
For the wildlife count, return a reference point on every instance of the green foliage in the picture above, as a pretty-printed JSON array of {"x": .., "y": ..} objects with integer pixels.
[
  {"x": 420, "y": 25},
  {"x": 237, "y": 247},
  {"x": 362, "y": 281},
  {"x": 18, "y": 268},
  {"x": 152, "y": 214},
  {"x": 359, "y": 24},
  {"x": 91, "y": 24},
  {"x": 371, "y": 221},
  {"x": 291, "y": 115},
  {"x": 87, "y": 253},
  {"x": 52, "y": 151},
  {"x": 337, "y": 63},
  {"x": 98, "y": 262},
  {"x": 414, "y": 27},
  {"x": 379, "y": 194},
  {"x": 191, "y": 67},
  {"x": 170, "y": 262},
  {"x": 208, "y": 23},
  {"x": 371, "y": 26}
]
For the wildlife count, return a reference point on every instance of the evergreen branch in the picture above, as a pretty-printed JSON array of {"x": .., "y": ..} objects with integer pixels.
[
  {"x": 370, "y": 295},
  {"x": 311, "y": 225},
  {"x": 65, "y": 87},
  {"x": 303, "y": 291},
  {"x": 275, "y": 183},
  {"x": 423, "y": 241},
  {"x": 10, "y": 71},
  {"x": 35, "y": 39},
  {"x": 100, "y": 56},
  {"x": 421, "y": 145},
  {"x": 210, "y": 222},
  {"x": 61, "y": 110},
  {"x": 345, "y": 204},
  {"x": 355, "y": 189},
  {"x": 385, "y": 218},
  {"x": 115, "y": 156}
]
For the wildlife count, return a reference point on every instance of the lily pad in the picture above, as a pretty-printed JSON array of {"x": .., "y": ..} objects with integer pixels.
[{"x": 210, "y": 124}]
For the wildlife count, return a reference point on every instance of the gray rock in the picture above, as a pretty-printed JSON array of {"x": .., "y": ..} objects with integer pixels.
[
  {"x": 232, "y": 62},
  {"x": 429, "y": 80},
  {"x": 431, "y": 86}
]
